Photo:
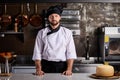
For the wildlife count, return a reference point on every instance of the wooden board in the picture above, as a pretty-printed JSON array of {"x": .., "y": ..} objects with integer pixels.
[
  {"x": 5, "y": 74},
  {"x": 100, "y": 77}
]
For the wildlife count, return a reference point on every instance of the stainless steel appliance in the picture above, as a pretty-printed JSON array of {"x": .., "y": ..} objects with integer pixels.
[
  {"x": 23, "y": 69},
  {"x": 23, "y": 64},
  {"x": 71, "y": 20},
  {"x": 111, "y": 44}
]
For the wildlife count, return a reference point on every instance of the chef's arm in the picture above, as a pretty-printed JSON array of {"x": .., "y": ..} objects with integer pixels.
[
  {"x": 38, "y": 68},
  {"x": 38, "y": 64},
  {"x": 70, "y": 64},
  {"x": 69, "y": 67}
]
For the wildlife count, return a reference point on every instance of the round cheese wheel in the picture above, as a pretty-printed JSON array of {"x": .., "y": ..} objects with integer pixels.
[{"x": 105, "y": 70}]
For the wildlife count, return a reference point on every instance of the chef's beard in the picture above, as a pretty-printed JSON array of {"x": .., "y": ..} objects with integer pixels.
[{"x": 54, "y": 23}]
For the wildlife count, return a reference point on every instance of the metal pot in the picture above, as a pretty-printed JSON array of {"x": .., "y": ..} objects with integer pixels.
[
  {"x": 36, "y": 19},
  {"x": 5, "y": 19},
  {"x": 25, "y": 19}
]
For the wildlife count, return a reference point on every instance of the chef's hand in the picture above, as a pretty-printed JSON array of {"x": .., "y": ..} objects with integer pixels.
[
  {"x": 67, "y": 72},
  {"x": 39, "y": 72}
]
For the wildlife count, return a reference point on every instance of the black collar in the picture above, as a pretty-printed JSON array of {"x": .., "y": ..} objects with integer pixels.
[{"x": 53, "y": 30}]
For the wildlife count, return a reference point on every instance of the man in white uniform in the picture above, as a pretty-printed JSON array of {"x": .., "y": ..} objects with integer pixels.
[{"x": 54, "y": 50}]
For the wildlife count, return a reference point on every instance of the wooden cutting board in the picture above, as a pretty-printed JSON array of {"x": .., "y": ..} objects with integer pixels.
[
  {"x": 100, "y": 77},
  {"x": 5, "y": 74}
]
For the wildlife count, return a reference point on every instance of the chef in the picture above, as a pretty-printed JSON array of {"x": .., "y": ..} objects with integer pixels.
[{"x": 54, "y": 50}]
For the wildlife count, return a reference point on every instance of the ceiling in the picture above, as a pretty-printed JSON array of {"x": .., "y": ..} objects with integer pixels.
[{"x": 60, "y": 1}]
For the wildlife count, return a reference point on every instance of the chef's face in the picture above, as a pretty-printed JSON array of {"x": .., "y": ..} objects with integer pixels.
[{"x": 54, "y": 19}]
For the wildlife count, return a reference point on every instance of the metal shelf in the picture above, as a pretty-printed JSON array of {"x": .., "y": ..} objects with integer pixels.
[
  {"x": 11, "y": 32},
  {"x": 19, "y": 35}
]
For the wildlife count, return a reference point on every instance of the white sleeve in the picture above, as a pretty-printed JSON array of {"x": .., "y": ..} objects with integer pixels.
[
  {"x": 71, "y": 51},
  {"x": 38, "y": 48}
]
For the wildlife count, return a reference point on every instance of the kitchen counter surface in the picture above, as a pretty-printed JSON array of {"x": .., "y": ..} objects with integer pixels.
[{"x": 51, "y": 76}]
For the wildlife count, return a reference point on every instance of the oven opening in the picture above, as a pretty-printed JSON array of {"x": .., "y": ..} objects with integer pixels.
[{"x": 113, "y": 50}]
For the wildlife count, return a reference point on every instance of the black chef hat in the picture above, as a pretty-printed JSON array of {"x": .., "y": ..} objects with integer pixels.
[{"x": 55, "y": 9}]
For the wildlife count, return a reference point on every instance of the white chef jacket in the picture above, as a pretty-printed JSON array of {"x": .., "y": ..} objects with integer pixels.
[{"x": 58, "y": 46}]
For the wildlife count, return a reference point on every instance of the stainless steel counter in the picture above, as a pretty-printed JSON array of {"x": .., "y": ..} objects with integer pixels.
[{"x": 58, "y": 76}]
